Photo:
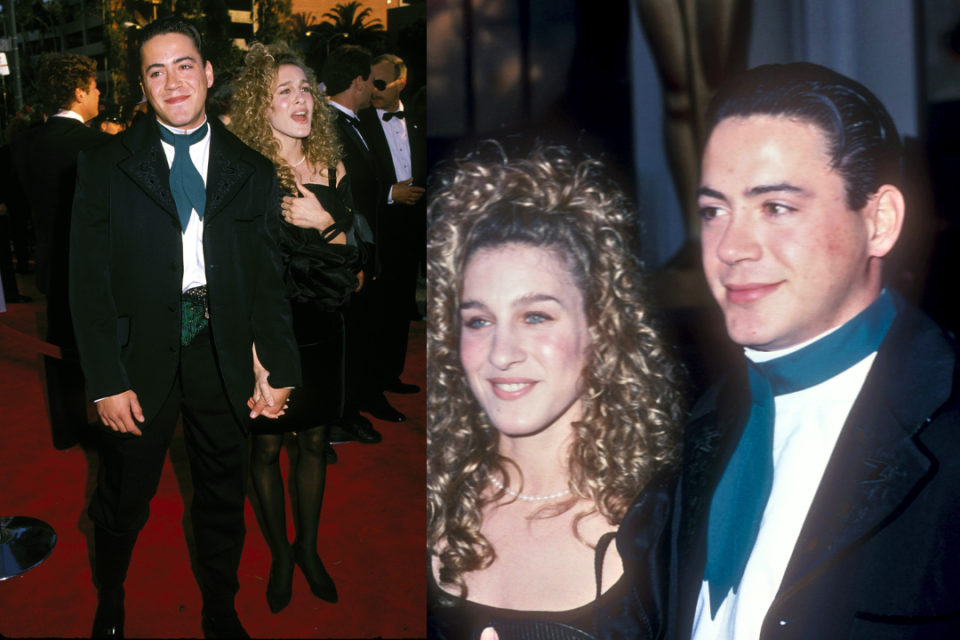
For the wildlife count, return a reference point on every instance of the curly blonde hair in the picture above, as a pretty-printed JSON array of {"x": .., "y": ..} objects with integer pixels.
[
  {"x": 253, "y": 99},
  {"x": 632, "y": 405}
]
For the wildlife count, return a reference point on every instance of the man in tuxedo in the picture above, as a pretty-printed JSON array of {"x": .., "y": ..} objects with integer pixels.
[
  {"x": 176, "y": 279},
  {"x": 398, "y": 140},
  {"x": 819, "y": 492},
  {"x": 46, "y": 160},
  {"x": 348, "y": 78}
]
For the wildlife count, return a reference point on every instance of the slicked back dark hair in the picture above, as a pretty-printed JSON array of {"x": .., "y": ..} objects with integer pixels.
[
  {"x": 342, "y": 67},
  {"x": 862, "y": 139},
  {"x": 170, "y": 24}
]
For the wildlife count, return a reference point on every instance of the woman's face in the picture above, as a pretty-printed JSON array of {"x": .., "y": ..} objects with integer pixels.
[
  {"x": 523, "y": 338},
  {"x": 292, "y": 109}
]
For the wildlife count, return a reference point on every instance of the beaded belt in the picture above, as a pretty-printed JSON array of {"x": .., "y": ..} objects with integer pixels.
[{"x": 194, "y": 313}]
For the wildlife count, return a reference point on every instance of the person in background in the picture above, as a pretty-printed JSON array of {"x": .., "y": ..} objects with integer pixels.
[{"x": 45, "y": 158}]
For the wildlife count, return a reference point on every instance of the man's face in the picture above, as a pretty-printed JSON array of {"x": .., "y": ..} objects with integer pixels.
[
  {"x": 783, "y": 255},
  {"x": 366, "y": 92},
  {"x": 174, "y": 80},
  {"x": 88, "y": 101},
  {"x": 113, "y": 128},
  {"x": 389, "y": 98}
]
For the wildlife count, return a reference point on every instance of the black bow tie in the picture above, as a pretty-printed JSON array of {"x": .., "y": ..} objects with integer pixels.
[
  {"x": 387, "y": 116},
  {"x": 350, "y": 119}
]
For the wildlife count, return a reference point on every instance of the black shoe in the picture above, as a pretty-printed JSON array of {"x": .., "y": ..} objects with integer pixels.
[
  {"x": 395, "y": 386},
  {"x": 330, "y": 454},
  {"x": 15, "y": 299},
  {"x": 358, "y": 429},
  {"x": 379, "y": 408},
  {"x": 321, "y": 584},
  {"x": 280, "y": 585},
  {"x": 222, "y": 627},
  {"x": 108, "y": 622}
]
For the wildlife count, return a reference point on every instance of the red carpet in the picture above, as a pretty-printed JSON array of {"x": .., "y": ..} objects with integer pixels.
[{"x": 372, "y": 531}]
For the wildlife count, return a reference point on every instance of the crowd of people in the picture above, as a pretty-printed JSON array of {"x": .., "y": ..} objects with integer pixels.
[
  {"x": 254, "y": 271},
  {"x": 811, "y": 492}
]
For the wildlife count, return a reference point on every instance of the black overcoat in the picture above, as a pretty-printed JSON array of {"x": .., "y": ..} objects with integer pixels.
[
  {"x": 879, "y": 553},
  {"x": 126, "y": 263}
]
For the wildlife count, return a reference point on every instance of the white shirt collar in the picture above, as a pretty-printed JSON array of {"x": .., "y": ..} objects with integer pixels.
[
  {"x": 181, "y": 132},
  {"x": 343, "y": 108},
  {"x": 69, "y": 114},
  {"x": 380, "y": 112}
]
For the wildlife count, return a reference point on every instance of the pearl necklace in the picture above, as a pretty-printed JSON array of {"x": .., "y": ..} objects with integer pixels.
[
  {"x": 520, "y": 496},
  {"x": 301, "y": 161}
]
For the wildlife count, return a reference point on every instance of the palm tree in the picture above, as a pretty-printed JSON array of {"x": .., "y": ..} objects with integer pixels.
[
  {"x": 301, "y": 24},
  {"x": 346, "y": 26}
]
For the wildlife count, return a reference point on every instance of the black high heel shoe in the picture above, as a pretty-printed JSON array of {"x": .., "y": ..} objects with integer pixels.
[
  {"x": 280, "y": 585},
  {"x": 321, "y": 585}
]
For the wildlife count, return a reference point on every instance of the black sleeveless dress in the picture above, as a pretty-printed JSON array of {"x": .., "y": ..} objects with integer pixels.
[
  {"x": 319, "y": 279},
  {"x": 466, "y": 620}
]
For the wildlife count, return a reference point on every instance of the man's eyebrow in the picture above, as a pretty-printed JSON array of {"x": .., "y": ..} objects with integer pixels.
[
  {"x": 770, "y": 188},
  {"x": 177, "y": 61},
  {"x": 710, "y": 193}
]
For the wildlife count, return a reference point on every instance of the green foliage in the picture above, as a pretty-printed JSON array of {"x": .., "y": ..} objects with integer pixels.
[{"x": 273, "y": 17}]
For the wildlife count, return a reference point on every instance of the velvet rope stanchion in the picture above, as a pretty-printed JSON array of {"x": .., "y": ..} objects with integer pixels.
[
  {"x": 38, "y": 345},
  {"x": 24, "y": 543}
]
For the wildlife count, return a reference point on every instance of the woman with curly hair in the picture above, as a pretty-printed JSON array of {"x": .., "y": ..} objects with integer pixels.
[
  {"x": 551, "y": 400},
  {"x": 278, "y": 111}
]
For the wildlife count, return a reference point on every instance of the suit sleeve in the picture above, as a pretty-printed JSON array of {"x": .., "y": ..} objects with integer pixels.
[
  {"x": 91, "y": 298},
  {"x": 272, "y": 320}
]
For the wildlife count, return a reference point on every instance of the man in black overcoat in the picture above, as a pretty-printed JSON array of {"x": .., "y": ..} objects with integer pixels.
[
  {"x": 175, "y": 279},
  {"x": 348, "y": 79},
  {"x": 819, "y": 493},
  {"x": 398, "y": 139},
  {"x": 46, "y": 160}
]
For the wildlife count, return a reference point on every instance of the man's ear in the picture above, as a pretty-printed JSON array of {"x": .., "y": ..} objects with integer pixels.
[
  {"x": 403, "y": 83},
  {"x": 208, "y": 70},
  {"x": 358, "y": 83},
  {"x": 884, "y": 216}
]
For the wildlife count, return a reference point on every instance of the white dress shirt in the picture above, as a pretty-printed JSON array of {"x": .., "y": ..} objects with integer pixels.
[
  {"x": 194, "y": 273},
  {"x": 399, "y": 143},
  {"x": 69, "y": 114},
  {"x": 337, "y": 105},
  {"x": 806, "y": 428}
]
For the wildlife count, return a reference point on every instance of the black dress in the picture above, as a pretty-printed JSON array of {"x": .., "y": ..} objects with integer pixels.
[
  {"x": 319, "y": 278},
  {"x": 609, "y": 615}
]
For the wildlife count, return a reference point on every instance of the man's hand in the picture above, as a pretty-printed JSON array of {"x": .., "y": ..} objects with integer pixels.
[
  {"x": 119, "y": 411},
  {"x": 360, "y": 278},
  {"x": 405, "y": 193}
]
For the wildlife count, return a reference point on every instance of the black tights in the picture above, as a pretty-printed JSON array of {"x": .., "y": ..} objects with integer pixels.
[{"x": 310, "y": 475}]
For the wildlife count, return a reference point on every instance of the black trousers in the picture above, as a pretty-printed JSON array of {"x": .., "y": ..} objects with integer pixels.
[{"x": 130, "y": 469}]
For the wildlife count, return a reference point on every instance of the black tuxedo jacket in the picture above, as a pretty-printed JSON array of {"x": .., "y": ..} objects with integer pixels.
[
  {"x": 365, "y": 185},
  {"x": 46, "y": 161},
  {"x": 126, "y": 262},
  {"x": 401, "y": 223},
  {"x": 879, "y": 553}
]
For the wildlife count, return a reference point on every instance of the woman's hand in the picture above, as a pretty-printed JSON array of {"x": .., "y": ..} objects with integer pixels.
[
  {"x": 264, "y": 396},
  {"x": 307, "y": 212},
  {"x": 360, "y": 278}
]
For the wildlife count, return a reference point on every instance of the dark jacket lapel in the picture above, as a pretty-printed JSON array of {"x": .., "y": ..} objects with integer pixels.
[
  {"x": 710, "y": 438},
  {"x": 147, "y": 165},
  {"x": 351, "y": 133},
  {"x": 226, "y": 171},
  {"x": 877, "y": 467}
]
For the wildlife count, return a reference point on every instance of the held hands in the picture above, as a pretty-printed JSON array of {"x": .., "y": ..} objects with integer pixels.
[
  {"x": 118, "y": 412},
  {"x": 266, "y": 400},
  {"x": 405, "y": 193},
  {"x": 307, "y": 212}
]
